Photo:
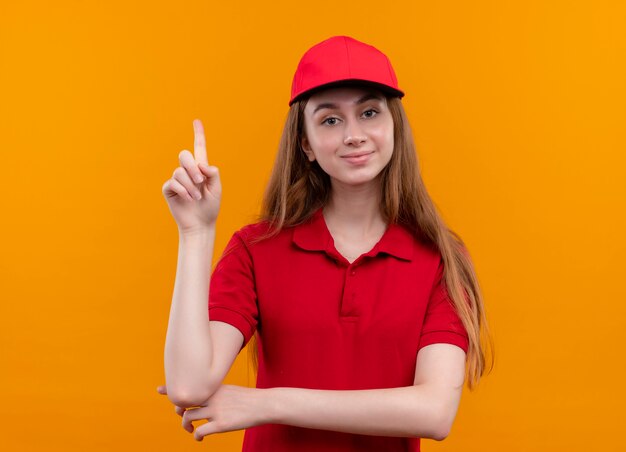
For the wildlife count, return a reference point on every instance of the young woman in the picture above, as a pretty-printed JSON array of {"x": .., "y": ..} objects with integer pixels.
[{"x": 365, "y": 308}]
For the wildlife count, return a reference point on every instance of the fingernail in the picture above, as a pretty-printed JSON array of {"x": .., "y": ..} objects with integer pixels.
[
  {"x": 197, "y": 195},
  {"x": 199, "y": 178}
]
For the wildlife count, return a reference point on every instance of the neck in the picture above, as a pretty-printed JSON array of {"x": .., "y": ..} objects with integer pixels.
[{"x": 354, "y": 209}]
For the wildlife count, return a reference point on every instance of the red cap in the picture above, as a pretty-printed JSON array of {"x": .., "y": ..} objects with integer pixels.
[{"x": 341, "y": 60}]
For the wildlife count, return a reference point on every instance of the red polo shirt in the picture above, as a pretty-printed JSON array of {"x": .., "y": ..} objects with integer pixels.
[{"x": 324, "y": 323}]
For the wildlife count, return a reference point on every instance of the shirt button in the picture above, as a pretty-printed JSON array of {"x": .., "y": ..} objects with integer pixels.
[{"x": 352, "y": 273}]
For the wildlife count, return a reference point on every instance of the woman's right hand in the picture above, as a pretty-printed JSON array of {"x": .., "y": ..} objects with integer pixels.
[{"x": 193, "y": 193}]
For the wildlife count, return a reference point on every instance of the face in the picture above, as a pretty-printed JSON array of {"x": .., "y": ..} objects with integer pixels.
[{"x": 349, "y": 131}]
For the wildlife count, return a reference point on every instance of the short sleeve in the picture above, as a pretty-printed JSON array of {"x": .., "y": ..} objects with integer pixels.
[
  {"x": 441, "y": 322},
  {"x": 232, "y": 294}
]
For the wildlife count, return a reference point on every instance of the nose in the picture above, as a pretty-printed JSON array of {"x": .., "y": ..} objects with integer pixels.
[{"x": 354, "y": 134}]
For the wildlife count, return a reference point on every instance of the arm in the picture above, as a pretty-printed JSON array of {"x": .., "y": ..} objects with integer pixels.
[
  {"x": 426, "y": 409},
  {"x": 198, "y": 353},
  {"x": 193, "y": 371}
]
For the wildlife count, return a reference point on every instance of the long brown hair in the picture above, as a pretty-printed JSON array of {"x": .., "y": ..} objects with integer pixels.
[{"x": 297, "y": 188}]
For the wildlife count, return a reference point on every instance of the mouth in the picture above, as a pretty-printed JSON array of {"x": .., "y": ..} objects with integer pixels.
[
  {"x": 356, "y": 158},
  {"x": 356, "y": 154}
]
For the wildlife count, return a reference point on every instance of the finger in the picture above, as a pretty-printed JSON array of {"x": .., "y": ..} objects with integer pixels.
[
  {"x": 162, "y": 389},
  {"x": 212, "y": 175},
  {"x": 181, "y": 175},
  {"x": 174, "y": 188},
  {"x": 181, "y": 412},
  {"x": 199, "y": 144},
  {"x": 208, "y": 170},
  {"x": 203, "y": 167},
  {"x": 206, "y": 429},
  {"x": 191, "y": 166},
  {"x": 187, "y": 425},
  {"x": 193, "y": 414}
]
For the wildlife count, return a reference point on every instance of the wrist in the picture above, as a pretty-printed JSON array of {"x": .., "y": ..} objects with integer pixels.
[
  {"x": 197, "y": 234},
  {"x": 271, "y": 402}
]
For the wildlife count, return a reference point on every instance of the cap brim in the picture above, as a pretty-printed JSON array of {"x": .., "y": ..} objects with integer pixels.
[{"x": 385, "y": 89}]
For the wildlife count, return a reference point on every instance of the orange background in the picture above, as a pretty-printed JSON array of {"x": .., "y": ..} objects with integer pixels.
[{"x": 518, "y": 110}]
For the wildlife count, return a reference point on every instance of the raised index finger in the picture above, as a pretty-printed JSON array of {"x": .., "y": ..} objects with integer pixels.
[{"x": 199, "y": 144}]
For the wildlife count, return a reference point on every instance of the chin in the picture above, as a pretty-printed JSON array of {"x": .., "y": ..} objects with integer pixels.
[{"x": 359, "y": 180}]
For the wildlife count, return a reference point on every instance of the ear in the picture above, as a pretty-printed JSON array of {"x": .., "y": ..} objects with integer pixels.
[{"x": 306, "y": 147}]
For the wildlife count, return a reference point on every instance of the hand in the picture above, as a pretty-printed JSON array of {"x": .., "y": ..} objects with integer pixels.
[
  {"x": 194, "y": 192},
  {"x": 229, "y": 408},
  {"x": 179, "y": 410}
]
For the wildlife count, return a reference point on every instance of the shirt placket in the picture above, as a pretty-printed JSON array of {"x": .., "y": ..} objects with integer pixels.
[{"x": 350, "y": 307}]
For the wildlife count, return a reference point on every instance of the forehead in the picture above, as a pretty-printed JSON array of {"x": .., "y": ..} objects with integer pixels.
[{"x": 338, "y": 96}]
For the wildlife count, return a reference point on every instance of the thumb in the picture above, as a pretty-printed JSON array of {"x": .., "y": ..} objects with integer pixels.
[
  {"x": 162, "y": 390},
  {"x": 212, "y": 175},
  {"x": 207, "y": 170}
]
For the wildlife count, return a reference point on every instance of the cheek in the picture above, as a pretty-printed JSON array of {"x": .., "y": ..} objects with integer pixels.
[
  {"x": 384, "y": 137},
  {"x": 324, "y": 142}
]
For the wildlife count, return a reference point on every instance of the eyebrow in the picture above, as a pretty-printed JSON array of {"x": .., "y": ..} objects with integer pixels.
[{"x": 363, "y": 99}]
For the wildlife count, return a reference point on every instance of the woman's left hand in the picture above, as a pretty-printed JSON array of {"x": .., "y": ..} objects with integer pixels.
[{"x": 229, "y": 408}]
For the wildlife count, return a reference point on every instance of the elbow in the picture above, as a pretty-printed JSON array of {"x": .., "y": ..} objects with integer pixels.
[
  {"x": 187, "y": 397},
  {"x": 443, "y": 424},
  {"x": 435, "y": 422},
  {"x": 440, "y": 433}
]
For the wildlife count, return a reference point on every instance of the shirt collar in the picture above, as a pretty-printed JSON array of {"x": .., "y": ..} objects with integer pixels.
[{"x": 313, "y": 235}]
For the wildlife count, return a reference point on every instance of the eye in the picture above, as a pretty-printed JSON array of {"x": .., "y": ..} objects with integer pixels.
[
  {"x": 325, "y": 121},
  {"x": 372, "y": 111}
]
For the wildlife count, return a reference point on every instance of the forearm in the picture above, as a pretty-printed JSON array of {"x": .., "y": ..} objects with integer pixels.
[
  {"x": 188, "y": 345},
  {"x": 412, "y": 411}
]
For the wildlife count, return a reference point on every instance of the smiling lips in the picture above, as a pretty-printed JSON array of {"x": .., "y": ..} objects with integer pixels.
[{"x": 357, "y": 157}]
